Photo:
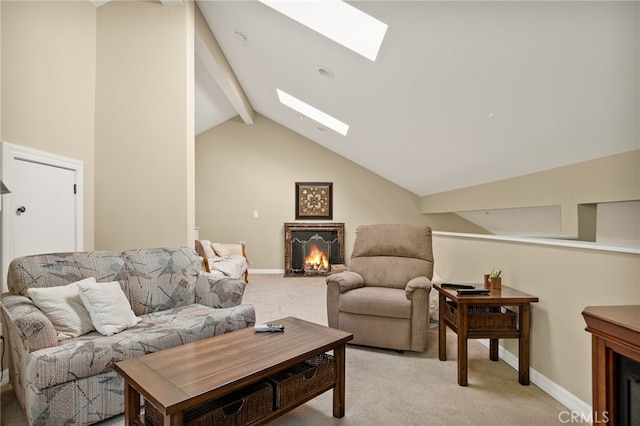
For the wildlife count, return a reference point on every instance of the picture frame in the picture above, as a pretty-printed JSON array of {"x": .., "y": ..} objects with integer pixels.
[{"x": 314, "y": 200}]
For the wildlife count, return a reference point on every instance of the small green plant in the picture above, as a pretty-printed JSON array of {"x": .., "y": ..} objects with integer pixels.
[{"x": 495, "y": 273}]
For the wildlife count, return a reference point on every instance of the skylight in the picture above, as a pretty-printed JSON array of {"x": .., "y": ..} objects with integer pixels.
[
  {"x": 338, "y": 21},
  {"x": 313, "y": 113}
]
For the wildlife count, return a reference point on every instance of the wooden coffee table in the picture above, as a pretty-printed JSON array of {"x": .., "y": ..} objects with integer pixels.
[{"x": 184, "y": 377}]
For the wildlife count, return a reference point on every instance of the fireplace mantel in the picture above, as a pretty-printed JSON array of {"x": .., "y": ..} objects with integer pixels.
[
  {"x": 292, "y": 227},
  {"x": 615, "y": 332}
]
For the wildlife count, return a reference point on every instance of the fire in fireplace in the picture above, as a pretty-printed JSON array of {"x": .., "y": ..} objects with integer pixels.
[
  {"x": 317, "y": 261},
  {"x": 311, "y": 249}
]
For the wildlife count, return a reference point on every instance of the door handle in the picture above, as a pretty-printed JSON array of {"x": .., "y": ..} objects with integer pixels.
[{"x": 21, "y": 210}]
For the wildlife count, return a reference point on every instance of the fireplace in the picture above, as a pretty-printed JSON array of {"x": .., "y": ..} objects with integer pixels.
[
  {"x": 627, "y": 377},
  {"x": 311, "y": 248},
  {"x": 615, "y": 353}
]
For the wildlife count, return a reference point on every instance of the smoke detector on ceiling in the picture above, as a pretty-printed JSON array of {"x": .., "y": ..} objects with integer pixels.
[{"x": 325, "y": 72}]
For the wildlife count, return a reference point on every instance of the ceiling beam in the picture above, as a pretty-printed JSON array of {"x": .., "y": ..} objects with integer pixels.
[{"x": 211, "y": 55}]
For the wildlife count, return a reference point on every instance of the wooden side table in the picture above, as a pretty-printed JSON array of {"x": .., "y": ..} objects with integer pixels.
[{"x": 484, "y": 317}]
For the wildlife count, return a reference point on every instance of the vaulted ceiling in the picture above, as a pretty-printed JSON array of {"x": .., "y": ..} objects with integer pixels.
[{"x": 461, "y": 93}]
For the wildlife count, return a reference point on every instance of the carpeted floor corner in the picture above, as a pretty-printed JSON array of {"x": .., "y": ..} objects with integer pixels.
[{"x": 385, "y": 387}]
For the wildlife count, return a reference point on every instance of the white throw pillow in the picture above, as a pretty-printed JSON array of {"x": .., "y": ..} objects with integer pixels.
[
  {"x": 64, "y": 308},
  {"x": 208, "y": 250},
  {"x": 108, "y": 307},
  {"x": 220, "y": 249}
]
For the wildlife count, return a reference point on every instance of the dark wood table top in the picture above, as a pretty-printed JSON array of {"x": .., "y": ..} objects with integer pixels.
[
  {"x": 505, "y": 295},
  {"x": 200, "y": 371}
]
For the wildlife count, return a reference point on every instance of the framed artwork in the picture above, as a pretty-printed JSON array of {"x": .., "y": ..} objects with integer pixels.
[{"x": 314, "y": 200}]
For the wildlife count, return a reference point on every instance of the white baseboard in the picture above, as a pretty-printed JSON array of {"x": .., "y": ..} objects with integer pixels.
[
  {"x": 266, "y": 271},
  {"x": 557, "y": 392}
]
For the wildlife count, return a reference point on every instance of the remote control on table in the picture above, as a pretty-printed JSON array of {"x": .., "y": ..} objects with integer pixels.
[
  {"x": 449, "y": 285},
  {"x": 269, "y": 327},
  {"x": 465, "y": 291}
]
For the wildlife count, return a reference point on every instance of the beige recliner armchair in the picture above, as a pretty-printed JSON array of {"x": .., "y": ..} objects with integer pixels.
[{"x": 383, "y": 297}]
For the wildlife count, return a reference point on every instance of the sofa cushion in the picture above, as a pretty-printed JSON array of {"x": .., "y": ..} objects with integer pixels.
[
  {"x": 390, "y": 255},
  {"x": 219, "y": 292},
  {"x": 94, "y": 353},
  {"x": 220, "y": 249},
  {"x": 64, "y": 308},
  {"x": 56, "y": 269},
  {"x": 108, "y": 307},
  {"x": 376, "y": 301},
  {"x": 397, "y": 240},
  {"x": 161, "y": 278},
  {"x": 389, "y": 271},
  {"x": 207, "y": 248}
]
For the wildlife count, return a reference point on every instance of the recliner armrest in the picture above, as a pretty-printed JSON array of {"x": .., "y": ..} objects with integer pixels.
[
  {"x": 417, "y": 283},
  {"x": 346, "y": 280}
]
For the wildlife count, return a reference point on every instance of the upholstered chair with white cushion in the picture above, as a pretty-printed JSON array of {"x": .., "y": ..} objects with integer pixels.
[{"x": 223, "y": 259}]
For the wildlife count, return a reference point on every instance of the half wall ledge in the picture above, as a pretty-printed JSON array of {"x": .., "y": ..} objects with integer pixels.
[{"x": 542, "y": 241}]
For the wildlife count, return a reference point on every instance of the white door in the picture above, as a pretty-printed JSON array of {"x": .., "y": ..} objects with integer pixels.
[{"x": 44, "y": 209}]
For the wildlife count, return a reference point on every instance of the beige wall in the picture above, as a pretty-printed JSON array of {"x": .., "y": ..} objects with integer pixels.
[
  {"x": 608, "y": 179},
  {"x": 48, "y": 80},
  {"x": 245, "y": 168},
  {"x": 122, "y": 76},
  {"x": 566, "y": 280},
  {"x": 144, "y": 141}
]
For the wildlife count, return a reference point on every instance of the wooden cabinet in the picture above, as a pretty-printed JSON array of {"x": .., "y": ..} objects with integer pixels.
[{"x": 615, "y": 342}]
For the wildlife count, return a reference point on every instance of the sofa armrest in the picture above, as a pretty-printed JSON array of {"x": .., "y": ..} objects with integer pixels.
[
  {"x": 27, "y": 326},
  {"x": 345, "y": 281},
  {"x": 216, "y": 292},
  {"x": 417, "y": 283}
]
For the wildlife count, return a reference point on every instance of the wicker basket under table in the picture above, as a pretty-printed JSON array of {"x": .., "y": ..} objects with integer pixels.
[
  {"x": 238, "y": 408},
  {"x": 485, "y": 317},
  {"x": 303, "y": 380}
]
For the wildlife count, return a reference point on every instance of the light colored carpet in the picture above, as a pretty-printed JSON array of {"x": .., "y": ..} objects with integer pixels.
[{"x": 385, "y": 387}]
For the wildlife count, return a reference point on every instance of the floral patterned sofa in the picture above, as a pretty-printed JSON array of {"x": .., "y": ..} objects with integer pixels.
[{"x": 71, "y": 381}]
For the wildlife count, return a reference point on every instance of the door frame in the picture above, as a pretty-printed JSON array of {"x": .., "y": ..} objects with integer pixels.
[{"x": 8, "y": 155}]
